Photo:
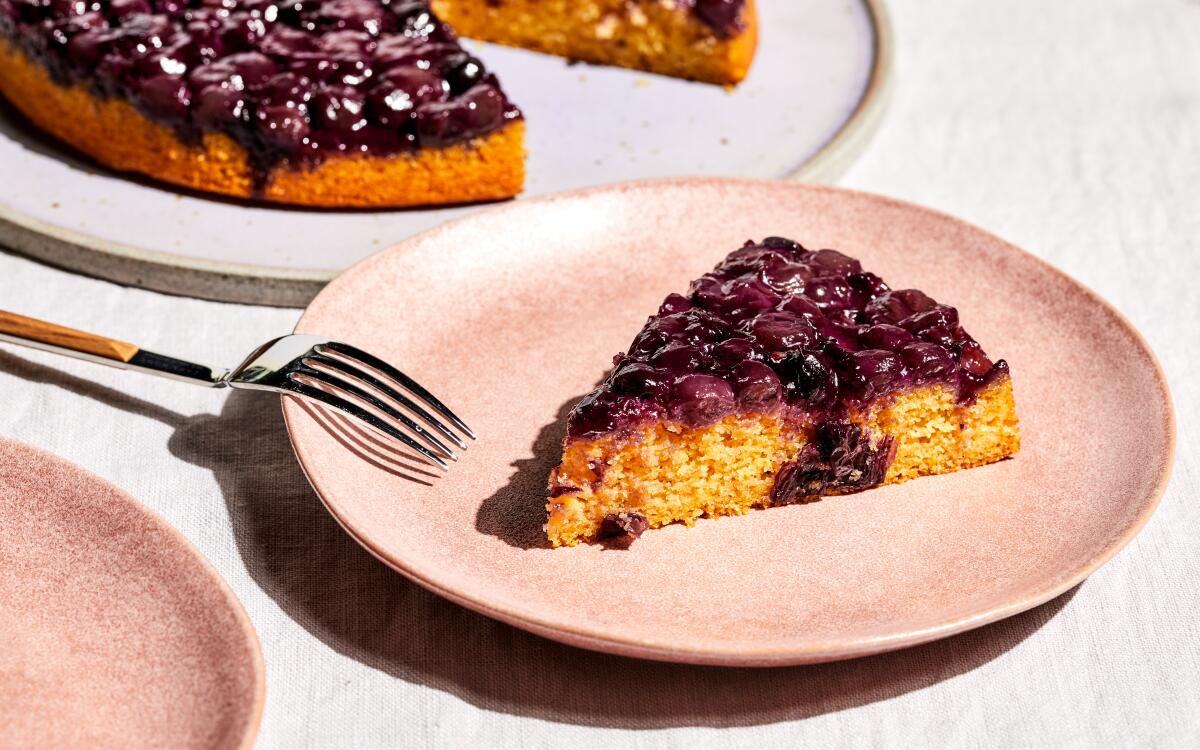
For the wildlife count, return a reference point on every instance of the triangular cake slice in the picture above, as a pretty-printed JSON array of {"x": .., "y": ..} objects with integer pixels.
[
  {"x": 703, "y": 40},
  {"x": 784, "y": 375}
]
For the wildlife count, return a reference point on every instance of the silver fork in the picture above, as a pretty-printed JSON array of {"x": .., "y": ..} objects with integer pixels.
[{"x": 338, "y": 375}]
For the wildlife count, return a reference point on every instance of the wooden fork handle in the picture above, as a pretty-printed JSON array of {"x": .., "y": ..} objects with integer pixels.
[{"x": 39, "y": 331}]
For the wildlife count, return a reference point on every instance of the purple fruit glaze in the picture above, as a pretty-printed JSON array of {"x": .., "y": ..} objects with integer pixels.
[
  {"x": 291, "y": 80},
  {"x": 778, "y": 328}
]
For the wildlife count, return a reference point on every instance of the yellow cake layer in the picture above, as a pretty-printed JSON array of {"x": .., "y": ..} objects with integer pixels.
[
  {"x": 660, "y": 36},
  {"x": 113, "y": 132},
  {"x": 674, "y": 474}
]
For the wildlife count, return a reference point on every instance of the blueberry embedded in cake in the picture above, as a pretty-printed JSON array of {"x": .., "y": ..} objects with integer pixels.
[
  {"x": 783, "y": 376},
  {"x": 317, "y": 102},
  {"x": 702, "y": 40}
]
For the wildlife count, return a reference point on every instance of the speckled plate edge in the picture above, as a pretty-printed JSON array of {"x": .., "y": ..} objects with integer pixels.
[
  {"x": 235, "y": 605},
  {"x": 818, "y": 652},
  {"x": 286, "y": 287}
]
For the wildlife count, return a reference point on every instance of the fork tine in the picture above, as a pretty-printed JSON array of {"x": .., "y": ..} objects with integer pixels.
[
  {"x": 341, "y": 404},
  {"x": 408, "y": 383},
  {"x": 350, "y": 370},
  {"x": 360, "y": 393}
]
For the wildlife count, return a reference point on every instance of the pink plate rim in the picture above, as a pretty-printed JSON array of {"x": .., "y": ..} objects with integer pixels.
[
  {"x": 214, "y": 576},
  {"x": 815, "y": 652}
]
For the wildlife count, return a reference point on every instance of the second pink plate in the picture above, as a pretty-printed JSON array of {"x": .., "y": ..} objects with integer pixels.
[
  {"x": 511, "y": 315},
  {"x": 114, "y": 631}
]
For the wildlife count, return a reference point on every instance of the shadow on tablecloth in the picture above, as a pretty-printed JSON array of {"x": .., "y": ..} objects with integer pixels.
[{"x": 361, "y": 608}]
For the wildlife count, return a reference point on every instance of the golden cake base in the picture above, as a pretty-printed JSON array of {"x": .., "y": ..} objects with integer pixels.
[{"x": 674, "y": 474}]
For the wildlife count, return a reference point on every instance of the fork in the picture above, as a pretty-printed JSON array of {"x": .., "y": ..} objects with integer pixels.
[{"x": 335, "y": 374}]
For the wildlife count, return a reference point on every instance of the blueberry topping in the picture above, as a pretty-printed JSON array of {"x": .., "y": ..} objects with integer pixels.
[{"x": 776, "y": 326}]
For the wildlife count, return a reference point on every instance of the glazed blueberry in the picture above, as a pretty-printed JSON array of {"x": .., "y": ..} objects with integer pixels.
[
  {"x": 723, "y": 16},
  {"x": 355, "y": 15},
  {"x": 418, "y": 23},
  {"x": 778, "y": 326},
  {"x": 289, "y": 80},
  {"x": 341, "y": 110},
  {"x": 478, "y": 111},
  {"x": 675, "y": 303},
  {"x": 699, "y": 400},
  {"x": 85, "y": 49},
  {"x": 786, "y": 277},
  {"x": 462, "y": 71},
  {"x": 217, "y": 107},
  {"x": 936, "y": 316},
  {"x": 398, "y": 51},
  {"x": 730, "y": 353},
  {"x": 757, "y": 386},
  {"x": 641, "y": 379},
  {"x": 239, "y": 32},
  {"x": 166, "y": 96},
  {"x": 679, "y": 357},
  {"x": 284, "y": 125},
  {"x": 394, "y": 99},
  {"x": 884, "y": 336},
  {"x": 926, "y": 361},
  {"x": 896, "y": 305},
  {"x": 781, "y": 331},
  {"x": 973, "y": 360},
  {"x": 872, "y": 371}
]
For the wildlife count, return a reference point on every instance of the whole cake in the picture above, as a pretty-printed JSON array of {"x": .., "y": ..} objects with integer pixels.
[
  {"x": 327, "y": 102},
  {"x": 784, "y": 375}
]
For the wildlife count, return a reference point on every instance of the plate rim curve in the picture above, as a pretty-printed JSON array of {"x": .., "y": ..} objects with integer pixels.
[{"x": 175, "y": 535}]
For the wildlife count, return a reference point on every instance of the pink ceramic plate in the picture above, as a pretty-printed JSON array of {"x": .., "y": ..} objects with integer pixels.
[
  {"x": 512, "y": 315},
  {"x": 116, "y": 633}
]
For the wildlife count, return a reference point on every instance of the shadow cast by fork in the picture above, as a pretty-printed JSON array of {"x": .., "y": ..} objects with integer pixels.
[
  {"x": 296, "y": 552},
  {"x": 368, "y": 446}
]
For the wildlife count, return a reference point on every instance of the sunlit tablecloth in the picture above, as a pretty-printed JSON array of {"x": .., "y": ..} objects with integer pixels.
[{"x": 1071, "y": 128}]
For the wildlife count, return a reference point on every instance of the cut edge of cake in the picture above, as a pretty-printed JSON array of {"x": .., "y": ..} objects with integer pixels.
[
  {"x": 663, "y": 38},
  {"x": 668, "y": 472}
]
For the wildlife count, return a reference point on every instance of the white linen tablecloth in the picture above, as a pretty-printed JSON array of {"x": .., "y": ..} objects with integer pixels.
[{"x": 1071, "y": 128}]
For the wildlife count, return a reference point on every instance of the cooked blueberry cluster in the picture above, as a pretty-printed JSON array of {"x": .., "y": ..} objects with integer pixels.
[
  {"x": 840, "y": 457},
  {"x": 776, "y": 325},
  {"x": 296, "y": 79}
]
